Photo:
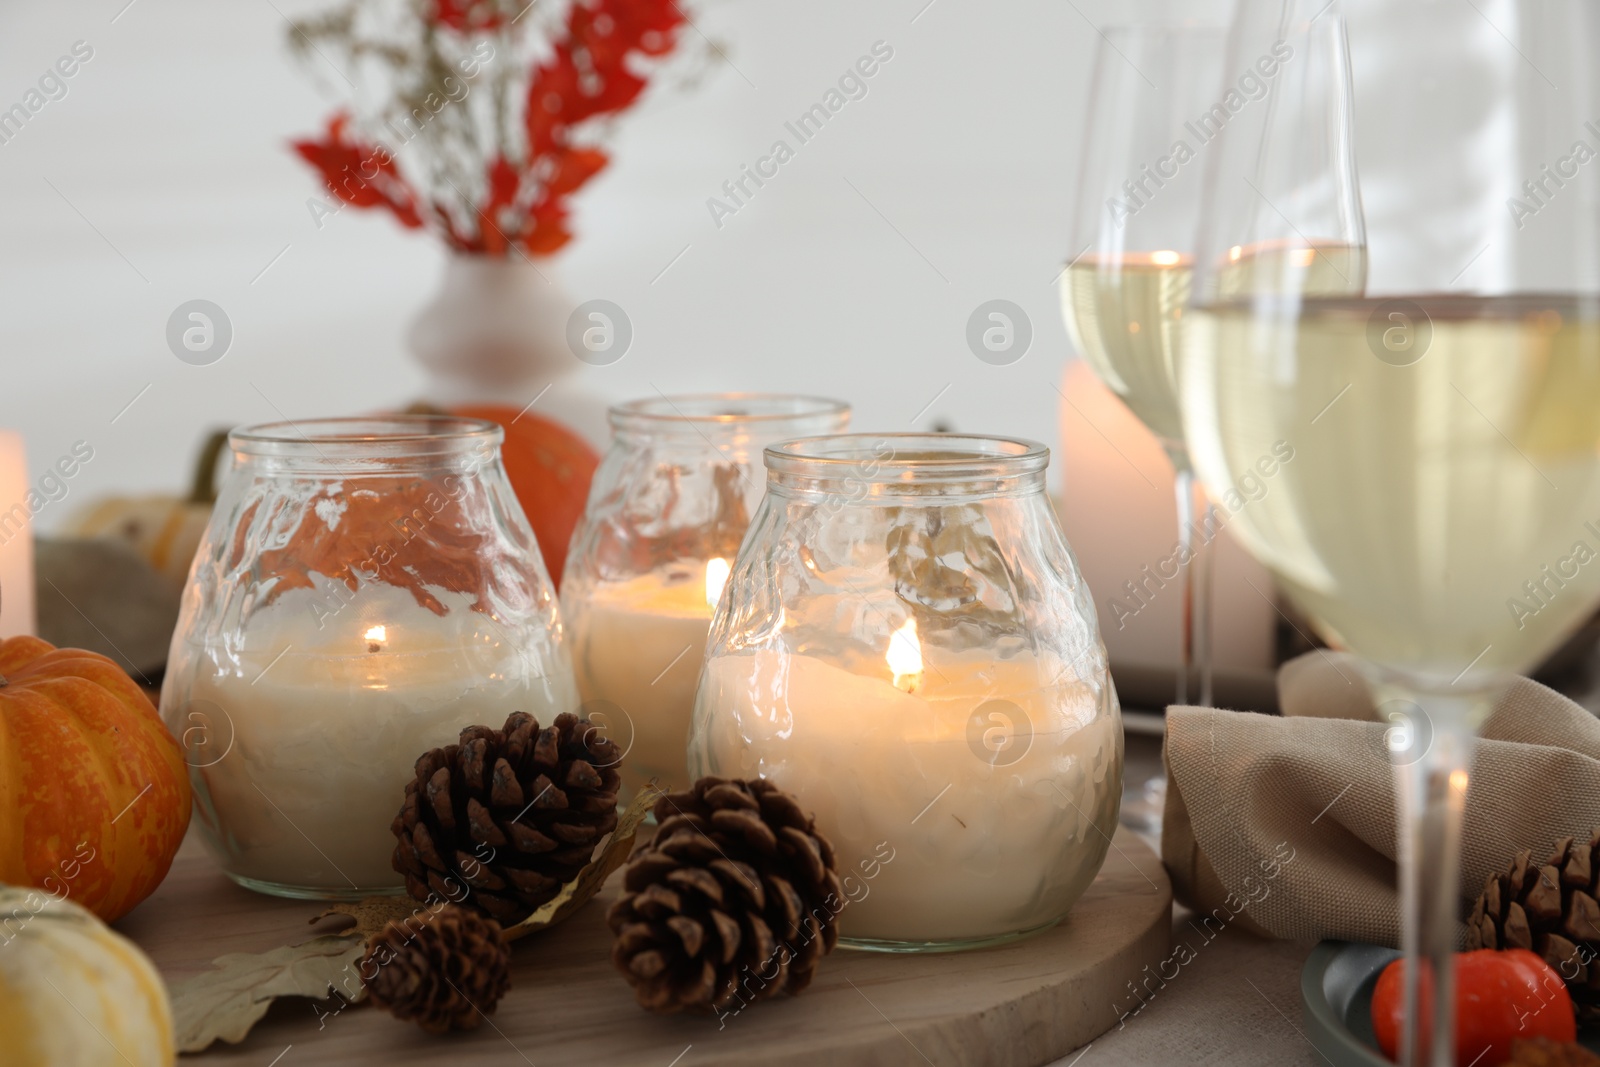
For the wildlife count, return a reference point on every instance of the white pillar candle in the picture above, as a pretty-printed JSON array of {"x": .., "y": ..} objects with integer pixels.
[
  {"x": 16, "y": 539},
  {"x": 1120, "y": 517},
  {"x": 639, "y": 644},
  {"x": 304, "y": 738},
  {"x": 988, "y": 809}
]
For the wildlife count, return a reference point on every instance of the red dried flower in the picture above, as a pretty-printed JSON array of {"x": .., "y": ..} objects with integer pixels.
[
  {"x": 465, "y": 16},
  {"x": 589, "y": 72},
  {"x": 359, "y": 174}
]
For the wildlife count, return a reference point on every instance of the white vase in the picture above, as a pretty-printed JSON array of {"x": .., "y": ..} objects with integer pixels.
[{"x": 496, "y": 333}]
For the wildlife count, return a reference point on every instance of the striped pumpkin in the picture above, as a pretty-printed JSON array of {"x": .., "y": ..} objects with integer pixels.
[
  {"x": 94, "y": 794},
  {"x": 73, "y": 992},
  {"x": 164, "y": 530}
]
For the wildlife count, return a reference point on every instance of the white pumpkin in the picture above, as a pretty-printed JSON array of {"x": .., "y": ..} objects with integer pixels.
[
  {"x": 73, "y": 992},
  {"x": 165, "y": 530}
]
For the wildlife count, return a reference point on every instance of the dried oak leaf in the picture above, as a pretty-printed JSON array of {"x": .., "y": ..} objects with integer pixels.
[
  {"x": 223, "y": 1004},
  {"x": 370, "y": 915},
  {"x": 610, "y": 854}
]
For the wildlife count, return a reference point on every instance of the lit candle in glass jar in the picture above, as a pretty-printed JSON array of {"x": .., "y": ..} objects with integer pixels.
[
  {"x": 667, "y": 510},
  {"x": 310, "y": 732},
  {"x": 961, "y": 770},
  {"x": 366, "y": 589},
  {"x": 905, "y": 645},
  {"x": 638, "y": 644},
  {"x": 17, "y": 500}
]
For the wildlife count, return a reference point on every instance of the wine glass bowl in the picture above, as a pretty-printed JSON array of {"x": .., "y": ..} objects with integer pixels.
[
  {"x": 1438, "y": 512},
  {"x": 1135, "y": 219},
  {"x": 1141, "y": 296},
  {"x": 1124, "y": 292}
]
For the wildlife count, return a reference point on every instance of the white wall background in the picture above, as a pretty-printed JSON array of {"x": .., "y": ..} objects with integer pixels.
[
  {"x": 165, "y": 176},
  {"x": 176, "y": 182}
]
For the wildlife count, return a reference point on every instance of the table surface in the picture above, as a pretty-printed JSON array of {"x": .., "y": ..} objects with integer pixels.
[
  {"x": 1014, "y": 1006},
  {"x": 1235, "y": 1002}
]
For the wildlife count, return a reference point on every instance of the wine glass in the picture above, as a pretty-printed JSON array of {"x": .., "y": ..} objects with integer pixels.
[
  {"x": 1443, "y": 429},
  {"x": 1124, "y": 291}
]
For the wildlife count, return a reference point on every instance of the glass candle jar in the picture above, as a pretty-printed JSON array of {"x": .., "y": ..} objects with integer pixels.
[
  {"x": 366, "y": 589},
  {"x": 667, "y": 510},
  {"x": 907, "y": 646}
]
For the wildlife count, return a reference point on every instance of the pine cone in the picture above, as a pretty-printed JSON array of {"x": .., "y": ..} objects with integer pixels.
[
  {"x": 734, "y": 899},
  {"x": 445, "y": 973},
  {"x": 1551, "y": 910},
  {"x": 1542, "y": 1052},
  {"x": 501, "y": 821}
]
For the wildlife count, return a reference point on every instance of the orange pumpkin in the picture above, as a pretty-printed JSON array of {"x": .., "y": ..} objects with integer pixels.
[
  {"x": 550, "y": 468},
  {"x": 94, "y": 795}
]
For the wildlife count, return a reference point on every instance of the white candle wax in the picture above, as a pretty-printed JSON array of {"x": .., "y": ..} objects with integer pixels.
[
  {"x": 639, "y": 644},
  {"x": 990, "y": 813},
  {"x": 16, "y": 538},
  {"x": 321, "y": 723}
]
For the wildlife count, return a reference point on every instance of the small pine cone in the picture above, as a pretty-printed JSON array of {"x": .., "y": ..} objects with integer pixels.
[
  {"x": 1551, "y": 909},
  {"x": 1542, "y": 1052},
  {"x": 734, "y": 899},
  {"x": 500, "y": 822},
  {"x": 445, "y": 972}
]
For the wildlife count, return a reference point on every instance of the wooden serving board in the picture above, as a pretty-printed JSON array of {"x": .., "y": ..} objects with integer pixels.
[{"x": 1019, "y": 1005}]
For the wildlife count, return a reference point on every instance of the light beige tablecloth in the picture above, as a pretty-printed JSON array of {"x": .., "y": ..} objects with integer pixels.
[{"x": 1236, "y": 1005}]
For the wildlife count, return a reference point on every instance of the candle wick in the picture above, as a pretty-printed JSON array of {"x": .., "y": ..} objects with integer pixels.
[{"x": 373, "y": 646}]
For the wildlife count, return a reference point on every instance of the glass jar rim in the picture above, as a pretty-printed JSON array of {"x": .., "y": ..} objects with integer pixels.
[
  {"x": 907, "y": 457},
  {"x": 366, "y": 437},
  {"x": 702, "y": 412}
]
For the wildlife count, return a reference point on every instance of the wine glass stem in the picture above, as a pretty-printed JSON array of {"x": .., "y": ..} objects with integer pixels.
[
  {"x": 1431, "y": 786},
  {"x": 1195, "y": 532}
]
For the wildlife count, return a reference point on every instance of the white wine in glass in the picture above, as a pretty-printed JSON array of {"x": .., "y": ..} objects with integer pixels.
[
  {"x": 1441, "y": 515},
  {"x": 1123, "y": 294},
  {"x": 1304, "y": 267},
  {"x": 1124, "y": 291},
  {"x": 1438, "y": 513},
  {"x": 1123, "y": 316}
]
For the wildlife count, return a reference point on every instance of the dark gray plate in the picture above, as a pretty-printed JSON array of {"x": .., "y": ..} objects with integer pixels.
[{"x": 1336, "y": 988}]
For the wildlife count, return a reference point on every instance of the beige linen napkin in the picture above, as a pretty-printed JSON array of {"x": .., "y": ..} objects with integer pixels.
[{"x": 1286, "y": 826}]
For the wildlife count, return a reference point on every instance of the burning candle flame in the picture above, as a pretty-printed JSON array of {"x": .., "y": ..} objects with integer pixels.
[
  {"x": 716, "y": 577},
  {"x": 1165, "y": 258},
  {"x": 376, "y": 636},
  {"x": 905, "y": 657}
]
